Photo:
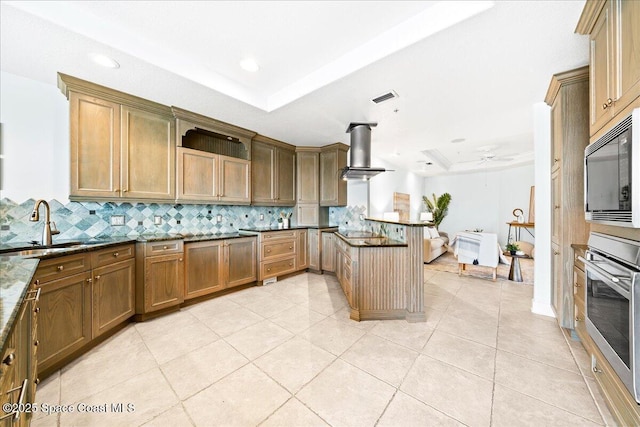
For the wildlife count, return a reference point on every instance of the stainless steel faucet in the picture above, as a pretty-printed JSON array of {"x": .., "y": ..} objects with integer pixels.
[{"x": 47, "y": 232}]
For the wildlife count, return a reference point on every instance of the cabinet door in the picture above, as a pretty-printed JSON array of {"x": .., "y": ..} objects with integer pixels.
[
  {"x": 628, "y": 50},
  {"x": 95, "y": 147},
  {"x": 113, "y": 295},
  {"x": 235, "y": 180},
  {"x": 197, "y": 175},
  {"x": 164, "y": 282},
  {"x": 328, "y": 252},
  {"x": 314, "y": 249},
  {"x": 556, "y": 215},
  {"x": 203, "y": 268},
  {"x": 308, "y": 177},
  {"x": 333, "y": 190},
  {"x": 263, "y": 167},
  {"x": 556, "y": 280},
  {"x": 148, "y": 155},
  {"x": 302, "y": 250},
  {"x": 308, "y": 214},
  {"x": 64, "y": 322},
  {"x": 286, "y": 182},
  {"x": 556, "y": 133},
  {"x": 241, "y": 260},
  {"x": 601, "y": 71}
]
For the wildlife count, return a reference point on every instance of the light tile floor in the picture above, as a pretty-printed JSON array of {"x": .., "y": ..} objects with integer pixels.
[{"x": 287, "y": 355}]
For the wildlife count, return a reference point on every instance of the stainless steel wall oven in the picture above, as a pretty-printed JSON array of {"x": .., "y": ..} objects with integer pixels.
[{"x": 613, "y": 304}]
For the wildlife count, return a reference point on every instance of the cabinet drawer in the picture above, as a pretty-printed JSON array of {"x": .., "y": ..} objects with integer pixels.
[
  {"x": 277, "y": 249},
  {"x": 164, "y": 247},
  {"x": 275, "y": 235},
  {"x": 56, "y": 268},
  {"x": 111, "y": 255},
  {"x": 276, "y": 268}
]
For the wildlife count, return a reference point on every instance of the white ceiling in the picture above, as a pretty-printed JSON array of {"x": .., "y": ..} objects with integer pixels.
[{"x": 469, "y": 70}]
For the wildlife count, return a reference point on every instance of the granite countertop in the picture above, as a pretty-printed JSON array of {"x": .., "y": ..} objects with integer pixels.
[
  {"x": 369, "y": 240},
  {"x": 15, "y": 277},
  {"x": 190, "y": 238},
  {"x": 272, "y": 228},
  {"x": 407, "y": 223}
]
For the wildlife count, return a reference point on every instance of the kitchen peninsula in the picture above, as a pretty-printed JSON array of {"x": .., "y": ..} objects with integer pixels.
[{"x": 381, "y": 273}]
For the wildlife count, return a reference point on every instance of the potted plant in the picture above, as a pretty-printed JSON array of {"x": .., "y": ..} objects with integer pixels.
[
  {"x": 512, "y": 248},
  {"x": 439, "y": 206}
]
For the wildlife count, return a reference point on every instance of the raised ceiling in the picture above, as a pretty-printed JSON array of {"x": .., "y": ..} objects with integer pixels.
[{"x": 462, "y": 70}]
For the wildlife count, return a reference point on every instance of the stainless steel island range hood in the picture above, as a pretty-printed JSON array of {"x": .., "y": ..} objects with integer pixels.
[{"x": 360, "y": 153}]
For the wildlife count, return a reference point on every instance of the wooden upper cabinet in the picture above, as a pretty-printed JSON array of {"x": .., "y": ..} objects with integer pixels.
[
  {"x": 273, "y": 171},
  {"x": 212, "y": 178},
  {"x": 95, "y": 146},
  {"x": 286, "y": 173},
  {"x": 333, "y": 190},
  {"x": 628, "y": 19},
  {"x": 614, "y": 36},
  {"x": 148, "y": 155},
  {"x": 308, "y": 176},
  {"x": 122, "y": 146}
]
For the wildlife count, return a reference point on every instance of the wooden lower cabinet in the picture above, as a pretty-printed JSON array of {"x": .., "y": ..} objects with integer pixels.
[
  {"x": 18, "y": 364},
  {"x": 113, "y": 295},
  {"x": 203, "y": 268},
  {"x": 163, "y": 282},
  {"x": 328, "y": 252},
  {"x": 313, "y": 238},
  {"x": 303, "y": 250},
  {"x": 64, "y": 324},
  {"x": 215, "y": 265},
  {"x": 240, "y": 261}
]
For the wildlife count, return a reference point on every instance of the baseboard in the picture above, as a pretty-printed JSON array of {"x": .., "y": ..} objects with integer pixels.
[{"x": 543, "y": 308}]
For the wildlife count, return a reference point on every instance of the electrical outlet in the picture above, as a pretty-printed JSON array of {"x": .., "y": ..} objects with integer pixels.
[
  {"x": 117, "y": 220},
  {"x": 261, "y": 217},
  {"x": 218, "y": 218},
  {"x": 157, "y": 220}
]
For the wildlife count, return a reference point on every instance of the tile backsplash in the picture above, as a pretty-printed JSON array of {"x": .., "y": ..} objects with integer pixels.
[{"x": 83, "y": 220}]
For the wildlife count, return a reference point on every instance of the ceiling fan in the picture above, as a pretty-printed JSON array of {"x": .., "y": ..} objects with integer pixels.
[{"x": 491, "y": 157}]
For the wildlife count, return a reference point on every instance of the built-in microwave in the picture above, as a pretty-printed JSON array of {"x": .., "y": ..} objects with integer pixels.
[{"x": 612, "y": 175}]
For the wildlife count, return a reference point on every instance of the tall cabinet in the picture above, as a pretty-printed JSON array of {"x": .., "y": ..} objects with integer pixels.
[{"x": 568, "y": 96}]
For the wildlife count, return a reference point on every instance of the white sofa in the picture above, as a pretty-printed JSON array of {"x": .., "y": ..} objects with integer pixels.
[{"x": 435, "y": 243}]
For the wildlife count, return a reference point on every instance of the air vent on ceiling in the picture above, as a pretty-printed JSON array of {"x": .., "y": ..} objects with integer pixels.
[{"x": 385, "y": 97}]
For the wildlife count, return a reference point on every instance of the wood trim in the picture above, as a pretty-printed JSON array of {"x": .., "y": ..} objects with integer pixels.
[
  {"x": 68, "y": 84},
  {"x": 566, "y": 78},
  {"x": 589, "y": 16},
  {"x": 335, "y": 146},
  {"x": 275, "y": 142},
  {"x": 213, "y": 125}
]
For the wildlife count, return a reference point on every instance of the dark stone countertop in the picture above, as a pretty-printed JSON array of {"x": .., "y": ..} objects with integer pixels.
[
  {"x": 191, "y": 238},
  {"x": 271, "y": 228},
  {"x": 407, "y": 223},
  {"x": 369, "y": 240}
]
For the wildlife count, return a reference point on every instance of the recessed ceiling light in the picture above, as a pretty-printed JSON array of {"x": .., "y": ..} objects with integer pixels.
[
  {"x": 250, "y": 65},
  {"x": 457, "y": 140},
  {"x": 105, "y": 61}
]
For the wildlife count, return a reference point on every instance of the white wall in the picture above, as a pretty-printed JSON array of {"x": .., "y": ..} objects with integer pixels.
[
  {"x": 382, "y": 187},
  {"x": 484, "y": 200},
  {"x": 541, "y": 303},
  {"x": 35, "y": 140}
]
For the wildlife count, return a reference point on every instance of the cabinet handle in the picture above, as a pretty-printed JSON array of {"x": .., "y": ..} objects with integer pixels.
[
  {"x": 125, "y": 190},
  {"x": 89, "y": 280},
  {"x": 556, "y": 160},
  {"x": 116, "y": 254},
  {"x": 290, "y": 247},
  {"x": 36, "y": 310},
  {"x": 37, "y": 282},
  {"x": 60, "y": 267},
  {"x": 36, "y": 343},
  {"x": 268, "y": 250},
  {"x": 556, "y": 253},
  {"x": 37, "y": 381},
  {"x": 578, "y": 285},
  {"x": 180, "y": 259},
  {"x": 23, "y": 390},
  {"x": 9, "y": 359},
  {"x": 556, "y": 207},
  {"x": 596, "y": 370},
  {"x": 116, "y": 190},
  {"x": 579, "y": 319},
  {"x": 290, "y": 264},
  {"x": 268, "y": 269},
  {"x": 607, "y": 104},
  {"x": 97, "y": 277}
]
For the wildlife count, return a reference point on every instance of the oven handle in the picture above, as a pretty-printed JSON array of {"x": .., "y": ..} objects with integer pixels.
[
  {"x": 599, "y": 269},
  {"x": 614, "y": 280}
]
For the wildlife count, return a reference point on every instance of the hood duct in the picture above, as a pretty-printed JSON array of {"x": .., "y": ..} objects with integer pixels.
[{"x": 360, "y": 153}]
